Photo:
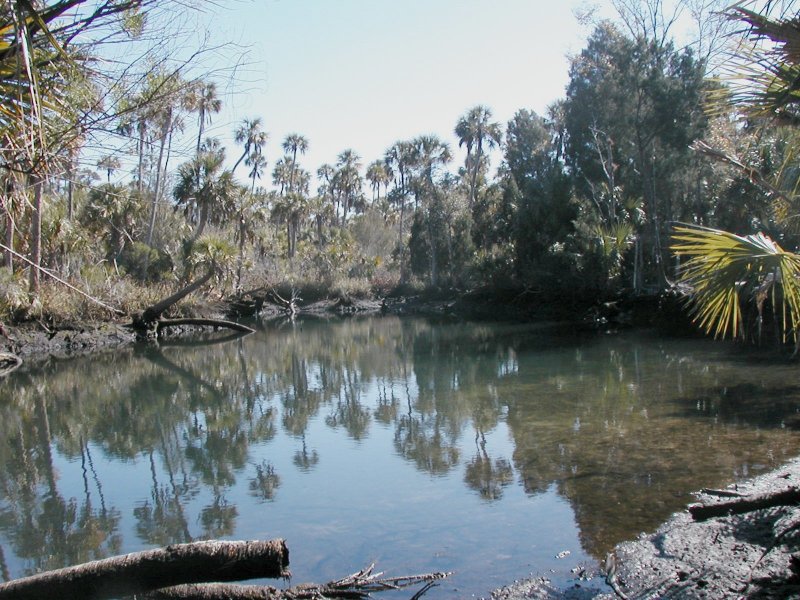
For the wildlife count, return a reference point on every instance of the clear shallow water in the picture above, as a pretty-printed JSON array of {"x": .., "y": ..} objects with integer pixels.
[{"x": 485, "y": 449}]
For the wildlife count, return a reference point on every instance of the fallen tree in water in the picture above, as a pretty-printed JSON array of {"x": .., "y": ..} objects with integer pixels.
[
  {"x": 142, "y": 572},
  {"x": 195, "y": 571},
  {"x": 149, "y": 323}
]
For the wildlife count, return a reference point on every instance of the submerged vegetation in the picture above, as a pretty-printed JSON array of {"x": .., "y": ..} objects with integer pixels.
[{"x": 581, "y": 207}]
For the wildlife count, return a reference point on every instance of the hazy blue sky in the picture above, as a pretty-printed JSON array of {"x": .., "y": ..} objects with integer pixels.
[{"x": 363, "y": 74}]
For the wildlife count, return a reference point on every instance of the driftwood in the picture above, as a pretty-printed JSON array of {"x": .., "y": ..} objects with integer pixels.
[
  {"x": 289, "y": 306},
  {"x": 142, "y": 572},
  {"x": 701, "y": 512},
  {"x": 358, "y": 585},
  {"x": 149, "y": 323}
]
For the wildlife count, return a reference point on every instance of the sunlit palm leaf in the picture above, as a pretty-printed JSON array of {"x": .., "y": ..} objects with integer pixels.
[{"x": 723, "y": 267}]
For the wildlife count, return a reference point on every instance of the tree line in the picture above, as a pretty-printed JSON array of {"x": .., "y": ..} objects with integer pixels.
[{"x": 581, "y": 206}]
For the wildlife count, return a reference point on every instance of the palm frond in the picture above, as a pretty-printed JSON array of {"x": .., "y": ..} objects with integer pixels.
[{"x": 722, "y": 267}]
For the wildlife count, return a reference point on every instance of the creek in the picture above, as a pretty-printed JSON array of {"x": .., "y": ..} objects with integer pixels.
[{"x": 494, "y": 450}]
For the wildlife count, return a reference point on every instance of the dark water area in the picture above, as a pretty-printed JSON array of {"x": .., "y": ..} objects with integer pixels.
[{"x": 493, "y": 450}]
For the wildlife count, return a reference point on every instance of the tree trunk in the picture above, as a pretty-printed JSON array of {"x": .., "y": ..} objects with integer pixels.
[
  {"x": 152, "y": 314},
  {"x": 36, "y": 233},
  {"x": 201, "y": 222},
  {"x": 401, "y": 244},
  {"x": 70, "y": 191},
  {"x": 8, "y": 252},
  {"x": 240, "y": 258},
  {"x": 142, "y": 127},
  {"x": 142, "y": 572},
  {"x": 154, "y": 210}
]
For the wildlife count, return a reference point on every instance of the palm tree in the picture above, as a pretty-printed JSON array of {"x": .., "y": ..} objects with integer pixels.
[
  {"x": 326, "y": 190},
  {"x": 378, "y": 175},
  {"x": 166, "y": 119},
  {"x": 109, "y": 164},
  {"x": 294, "y": 143},
  {"x": 347, "y": 181},
  {"x": 205, "y": 102},
  {"x": 430, "y": 152},
  {"x": 252, "y": 138},
  {"x": 401, "y": 159},
  {"x": 206, "y": 192},
  {"x": 250, "y": 210},
  {"x": 724, "y": 269},
  {"x": 282, "y": 174},
  {"x": 474, "y": 130}
]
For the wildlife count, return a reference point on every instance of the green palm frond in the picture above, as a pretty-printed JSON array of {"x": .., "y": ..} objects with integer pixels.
[{"x": 723, "y": 267}]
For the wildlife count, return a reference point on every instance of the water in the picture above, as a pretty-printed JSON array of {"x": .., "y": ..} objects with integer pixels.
[{"x": 493, "y": 450}]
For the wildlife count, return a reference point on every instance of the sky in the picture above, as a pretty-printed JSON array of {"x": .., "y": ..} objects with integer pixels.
[{"x": 363, "y": 74}]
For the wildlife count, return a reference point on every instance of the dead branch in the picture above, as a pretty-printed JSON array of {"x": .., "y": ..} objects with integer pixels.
[
  {"x": 787, "y": 497},
  {"x": 356, "y": 586},
  {"x": 164, "y": 323},
  {"x": 289, "y": 306},
  {"x": 142, "y": 572}
]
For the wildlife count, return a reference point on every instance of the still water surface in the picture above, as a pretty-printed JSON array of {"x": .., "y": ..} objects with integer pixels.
[{"x": 484, "y": 449}]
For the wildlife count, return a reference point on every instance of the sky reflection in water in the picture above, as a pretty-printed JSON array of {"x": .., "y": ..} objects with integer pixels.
[{"x": 486, "y": 449}]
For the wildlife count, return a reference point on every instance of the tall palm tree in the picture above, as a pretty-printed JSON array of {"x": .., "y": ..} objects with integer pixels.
[
  {"x": 401, "y": 160},
  {"x": 377, "y": 174},
  {"x": 327, "y": 190},
  {"x": 205, "y": 102},
  {"x": 109, "y": 164},
  {"x": 252, "y": 137},
  {"x": 204, "y": 189},
  {"x": 430, "y": 152},
  {"x": 347, "y": 181},
  {"x": 282, "y": 174},
  {"x": 294, "y": 143},
  {"x": 475, "y": 130}
]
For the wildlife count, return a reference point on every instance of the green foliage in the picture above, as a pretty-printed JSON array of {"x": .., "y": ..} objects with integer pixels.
[
  {"x": 633, "y": 109},
  {"x": 723, "y": 268},
  {"x": 208, "y": 252},
  {"x": 145, "y": 263}
]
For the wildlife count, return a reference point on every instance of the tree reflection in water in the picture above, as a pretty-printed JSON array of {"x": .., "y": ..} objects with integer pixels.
[{"x": 622, "y": 428}]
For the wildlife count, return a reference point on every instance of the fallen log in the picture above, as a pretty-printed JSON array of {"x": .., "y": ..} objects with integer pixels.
[
  {"x": 357, "y": 586},
  {"x": 149, "y": 323},
  {"x": 142, "y": 572},
  {"x": 153, "y": 313},
  {"x": 787, "y": 497}
]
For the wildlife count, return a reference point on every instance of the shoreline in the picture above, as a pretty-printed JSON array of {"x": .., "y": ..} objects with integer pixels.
[{"x": 750, "y": 555}]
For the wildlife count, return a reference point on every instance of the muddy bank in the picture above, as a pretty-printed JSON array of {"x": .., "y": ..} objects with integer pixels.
[
  {"x": 34, "y": 340},
  {"x": 753, "y": 555}
]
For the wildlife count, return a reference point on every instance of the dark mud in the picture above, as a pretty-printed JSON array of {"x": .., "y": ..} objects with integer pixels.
[
  {"x": 754, "y": 555},
  {"x": 35, "y": 341}
]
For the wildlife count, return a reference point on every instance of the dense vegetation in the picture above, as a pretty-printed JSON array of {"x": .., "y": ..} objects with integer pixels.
[{"x": 581, "y": 206}]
